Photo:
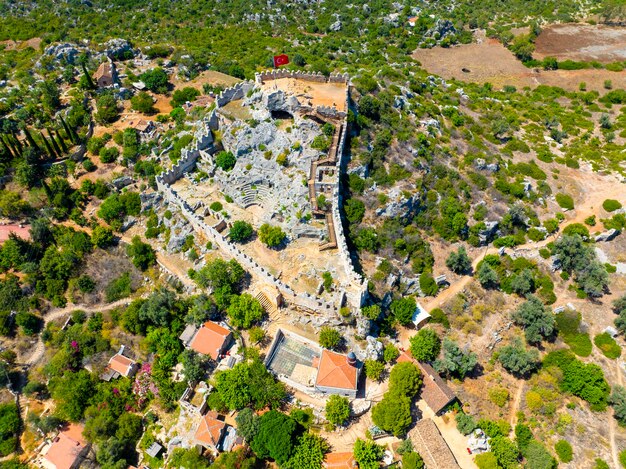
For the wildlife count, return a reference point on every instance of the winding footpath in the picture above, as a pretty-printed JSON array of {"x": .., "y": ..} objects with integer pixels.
[{"x": 56, "y": 313}]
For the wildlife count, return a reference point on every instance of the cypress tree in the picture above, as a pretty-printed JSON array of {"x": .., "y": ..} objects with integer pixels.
[
  {"x": 48, "y": 147},
  {"x": 31, "y": 140},
  {"x": 71, "y": 135},
  {"x": 61, "y": 141},
  {"x": 6, "y": 146},
  {"x": 54, "y": 144},
  {"x": 46, "y": 188},
  {"x": 15, "y": 143},
  {"x": 88, "y": 77}
]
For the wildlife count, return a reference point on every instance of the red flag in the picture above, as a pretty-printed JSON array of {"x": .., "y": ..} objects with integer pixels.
[{"x": 282, "y": 59}]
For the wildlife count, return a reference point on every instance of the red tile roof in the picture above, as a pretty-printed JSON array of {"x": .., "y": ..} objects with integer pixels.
[
  {"x": 339, "y": 461},
  {"x": 210, "y": 339},
  {"x": 335, "y": 371},
  {"x": 66, "y": 447},
  {"x": 123, "y": 365},
  {"x": 210, "y": 429}
]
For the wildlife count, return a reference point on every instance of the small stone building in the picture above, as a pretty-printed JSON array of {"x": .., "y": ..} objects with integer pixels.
[
  {"x": 431, "y": 446},
  {"x": 211, "y": 339},
  {"x": 120, "y": 365},
  {"x": 210, "y": 431},
  {"x": 106, "y": 75},
  {"x": 435, "y": 392}
]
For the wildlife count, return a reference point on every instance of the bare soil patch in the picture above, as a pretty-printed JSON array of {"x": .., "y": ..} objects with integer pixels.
[
  {"x": 312, "y": 93},
  {"x": 209, "y": 77},
  {"x": 489, "y": 61},
  {"x": 582, "y": 42},
  {"x": 10, "y": 44}
]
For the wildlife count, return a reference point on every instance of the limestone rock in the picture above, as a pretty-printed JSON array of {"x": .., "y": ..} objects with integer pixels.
[
  {"x": 122, "y": 182},
  {"x": 118, "y": 48},
  {"x": 607, "y": 235},
  {"x": 398, "y": 206},
  {"x": 336, "y": 26},
  {"x": 374, "y": 348}
]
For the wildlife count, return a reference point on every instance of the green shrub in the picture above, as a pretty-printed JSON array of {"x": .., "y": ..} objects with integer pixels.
[
  {"x": 428, "y": 285},
  {"x": 216, "y": 206},
  {"x": 241, "y": 231},
  {"x": 486, "y": 461},
  {"x": 564, "y": 450},
  {"x": 576, "y": 229},
  {"x": 109, "y": 154},
  {"x": 225, "y": 160},
  {"x": 499, "y": 396},
  {"x": 607, "y": 345},
  {"x": 89, "y": 165},
  {"x": 118, "y": 288},
  {"x": 565, "y": 201},
  {"x": 271, "y": 236},
  {"x": 568, "y": 323},
  {"x": 610, "y": 205},
  {"x": 438, "y": 316}
]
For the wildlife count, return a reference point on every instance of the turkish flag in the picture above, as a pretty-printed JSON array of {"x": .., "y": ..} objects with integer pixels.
[{"x": 282, "y": 59}]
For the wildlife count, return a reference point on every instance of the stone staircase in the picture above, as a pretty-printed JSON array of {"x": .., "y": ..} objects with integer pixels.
[{"x": 272, "y": 312}]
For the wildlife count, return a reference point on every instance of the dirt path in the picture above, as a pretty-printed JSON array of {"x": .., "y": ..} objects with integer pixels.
[
  {"x": 515, "y": 405},
  {"x": 612, "y": 424},
  {"x": 57, "y": 313},
  {"x": 458, "y": 287}
]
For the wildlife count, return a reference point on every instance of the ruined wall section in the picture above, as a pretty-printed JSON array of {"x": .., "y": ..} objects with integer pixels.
[
  {"x": 189, "y": 155},
  {"x": 356, "y": 291},
  {"x": 239, "y": 91}
]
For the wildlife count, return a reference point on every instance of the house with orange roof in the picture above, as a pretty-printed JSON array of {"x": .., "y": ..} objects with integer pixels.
[
  {"x": 211, "y": 339},
  {"x": 66, "y": 450},
  {"x": 119, "y": 365},
  {"x": 338, "y": 374},
  {"x": 210, "y": 431},
  {"x": 339, "y": 461}
]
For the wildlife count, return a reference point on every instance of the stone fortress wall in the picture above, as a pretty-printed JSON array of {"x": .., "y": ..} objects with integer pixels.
[
  {"x": 262, "y": 77},
  {"x": 356, "y": 291}
]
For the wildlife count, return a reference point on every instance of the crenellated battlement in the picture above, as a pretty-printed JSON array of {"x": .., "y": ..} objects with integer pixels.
[
  {"x": 238, "y": 91},
  {"x": 262, "y": 77}
]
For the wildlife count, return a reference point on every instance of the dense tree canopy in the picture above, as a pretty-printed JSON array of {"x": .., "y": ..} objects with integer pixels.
[
  {"x": 535, "y": 318},
  {"x": 425, "y": 345},
  {"x": 276, "y": 438},
  {"x": 249, "y": 384}
]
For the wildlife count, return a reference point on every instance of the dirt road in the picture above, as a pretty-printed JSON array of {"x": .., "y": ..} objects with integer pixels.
[{"x": 57, "y": 313}]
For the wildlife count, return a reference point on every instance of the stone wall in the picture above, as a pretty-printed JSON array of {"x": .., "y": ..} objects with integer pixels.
[
  {"x": 239, "y": 91},
  {"x": 356, "y": 292},
  {"x": 189, "y": 156},
  {"x": 262, "y": 77}
]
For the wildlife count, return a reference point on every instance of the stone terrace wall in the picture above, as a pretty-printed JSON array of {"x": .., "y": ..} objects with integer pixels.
[
  {"x": 239, "y": 91},
  {"x": 260, "y": 78}
]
